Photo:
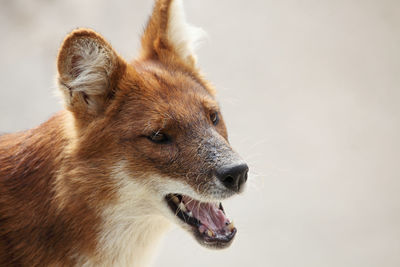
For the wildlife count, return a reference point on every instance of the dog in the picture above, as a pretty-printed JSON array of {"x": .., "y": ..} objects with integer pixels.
[{"x": 139, "y": 146}]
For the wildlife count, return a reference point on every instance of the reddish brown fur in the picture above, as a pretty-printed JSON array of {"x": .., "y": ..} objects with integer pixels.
[
  {"x": 55, "y": 179},
  {"x": 33, "y": 230}
]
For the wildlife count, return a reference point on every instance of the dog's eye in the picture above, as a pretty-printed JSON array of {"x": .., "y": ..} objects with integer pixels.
[
  {"x": 159, "y": 138},
  {"x": 214, "y": 118}
]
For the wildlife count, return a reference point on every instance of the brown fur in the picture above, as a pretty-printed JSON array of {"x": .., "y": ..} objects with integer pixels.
[{"x": 56, "y": 179}]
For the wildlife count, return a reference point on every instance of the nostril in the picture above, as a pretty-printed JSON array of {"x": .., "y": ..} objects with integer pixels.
[{"x": 228, "y": 181}]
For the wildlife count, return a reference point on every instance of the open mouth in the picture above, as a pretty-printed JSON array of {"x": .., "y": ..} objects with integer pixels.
[{"x": 208, "y": 220}]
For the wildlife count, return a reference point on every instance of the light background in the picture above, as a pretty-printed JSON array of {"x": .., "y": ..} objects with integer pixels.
[{"x": 310, "y": 92}]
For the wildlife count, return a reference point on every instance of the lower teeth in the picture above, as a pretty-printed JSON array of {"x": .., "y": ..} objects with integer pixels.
[
  {"x": 210, "y": 233},
  {"x": 230, "y": 226}
]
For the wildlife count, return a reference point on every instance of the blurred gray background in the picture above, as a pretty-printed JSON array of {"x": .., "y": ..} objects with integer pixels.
[{"x": 310, "y": 90}]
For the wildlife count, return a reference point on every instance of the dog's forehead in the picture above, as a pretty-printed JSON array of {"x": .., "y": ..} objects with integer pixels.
[{"x": 175, "y": 89}]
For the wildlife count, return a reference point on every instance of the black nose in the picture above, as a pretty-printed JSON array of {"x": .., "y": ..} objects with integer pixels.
[{"x": 233, "y": 176}]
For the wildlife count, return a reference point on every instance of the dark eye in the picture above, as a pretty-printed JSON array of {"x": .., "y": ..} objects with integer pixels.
[
  {"x": 214, "y": 118},
  {"x": 159, "y": 138}
]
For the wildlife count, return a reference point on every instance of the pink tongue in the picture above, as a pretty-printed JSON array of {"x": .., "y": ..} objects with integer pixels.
[{"x": 208, "y": 214}]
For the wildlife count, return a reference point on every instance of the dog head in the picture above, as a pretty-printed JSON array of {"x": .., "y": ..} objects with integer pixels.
[{"x": 156, "y": 120}]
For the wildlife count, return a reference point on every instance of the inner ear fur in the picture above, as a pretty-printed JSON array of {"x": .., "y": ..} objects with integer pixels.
[{"x": 88, "y": 72}]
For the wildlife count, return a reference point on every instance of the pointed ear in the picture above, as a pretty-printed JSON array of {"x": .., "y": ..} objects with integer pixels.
[
  {"x": 168, "y": 35},
  {"x": 88, "y": 72}
]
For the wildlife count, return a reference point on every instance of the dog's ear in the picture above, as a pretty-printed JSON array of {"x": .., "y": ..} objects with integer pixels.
[
  {"x": 88, "y": 72},
  {"x": 168, "y": 36}
]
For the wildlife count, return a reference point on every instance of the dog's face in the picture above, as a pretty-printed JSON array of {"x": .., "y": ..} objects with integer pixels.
[{"x": 160, "y": 118}]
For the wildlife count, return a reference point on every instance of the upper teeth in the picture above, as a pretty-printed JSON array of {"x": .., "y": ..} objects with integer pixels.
[
  {"x": 182, "y": 207},
  {"x": 175, "y": 199},
  {"x": 180, "y": 204}
]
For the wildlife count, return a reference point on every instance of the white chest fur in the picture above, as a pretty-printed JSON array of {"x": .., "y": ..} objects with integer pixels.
[{"x": 131, "y": 229}]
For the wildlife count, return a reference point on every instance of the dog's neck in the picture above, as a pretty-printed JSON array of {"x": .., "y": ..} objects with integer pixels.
[
  {"x": 129, "y": 234},
  {"x": 128, "y": 243}
]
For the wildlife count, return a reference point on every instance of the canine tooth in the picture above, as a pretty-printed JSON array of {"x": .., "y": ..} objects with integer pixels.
[
  {"x": 210, "y": 233},
  {"x": 230, "y": 226},
  {"x": 175, "y": 199},
  {"x": 190, "y": 214},
  {"x": 182, "y": 207}
]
